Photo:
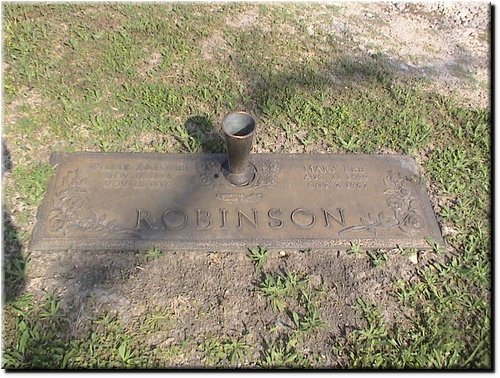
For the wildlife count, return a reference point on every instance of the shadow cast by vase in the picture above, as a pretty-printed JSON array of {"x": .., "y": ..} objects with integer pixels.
[{"x": 206, "y": 137}]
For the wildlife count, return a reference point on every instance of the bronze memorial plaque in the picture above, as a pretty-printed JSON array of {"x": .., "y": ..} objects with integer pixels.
[{"x": 127, "y": 201}]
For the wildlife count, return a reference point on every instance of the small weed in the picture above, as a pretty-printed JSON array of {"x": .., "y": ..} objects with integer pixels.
[
  {"x": 278, "y": 288},
  {"x": 50, "y": 308},
  {"x": 16, "y": 269},
  {"x": 258, "y": 256},
  {"x": 285, "y": 354},
  {"x": 107, "y": 321},
  {"x": 156, "y": 321},
  {"x": 308, "y": 139},
  {"x": 188, "y": 141},
  {"x": 311, "y": 321},
  {"x": 412, "y": 253},
  {"x": 173, "y": 352},
  {"x": 281, "y": 290},
  {"x": 288, "y": 129},
  {"x": 153, "y": 253},
  {"x": 355, "y": 248},
  {"x": 228, "y": 352},
  {"x": 407, "y": 251},
  {"x": 350, "y": 144},
  {"x": 126, "y": 355},
  {"x": 378, "y": 258},
  {"x": 289, "y": 291},
  {"x": 368, "y": 339},
  {"x": 108, "y": 345},
  {"x": 436, "y": 248}
]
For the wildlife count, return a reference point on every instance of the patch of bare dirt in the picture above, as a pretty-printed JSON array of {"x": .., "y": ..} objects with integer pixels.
[
  {"x": 26, "y": 97},
  {"x": 214, "y": 47},
  {"x": 244, "y": 20},
  {"x": 215, "y": 294},
  {"x": 446, "y": 43},
  {"x": 150, "y": 64}
]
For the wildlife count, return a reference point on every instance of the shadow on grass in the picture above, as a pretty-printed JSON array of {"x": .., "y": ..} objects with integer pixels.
[
  {"x": 343, "y": 74},
  {"x": 205, "y": 134},
  {"x": 14, "y": 261},
  {"x": 14, "y": 258}
]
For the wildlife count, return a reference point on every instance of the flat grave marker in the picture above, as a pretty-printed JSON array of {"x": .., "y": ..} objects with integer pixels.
[{"x": 130, "y": 201}]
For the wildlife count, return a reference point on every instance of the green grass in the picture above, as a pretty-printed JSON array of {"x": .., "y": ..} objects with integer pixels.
[
  {"x": 300, "y": 301},
  {"x": 442, "y": 310},
  {"x": 32, "y": 181},
  {"x": 33, "y": 334},
  {"x": 37, "y": 336},
  {"x": 15, "y": 273},
  {"x": 159, "y": 78}
]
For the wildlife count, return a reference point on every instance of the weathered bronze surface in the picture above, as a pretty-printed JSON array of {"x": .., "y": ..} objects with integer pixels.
[
  {"x": 239, "y": 129},
  {"x": 126, "y": 201}
]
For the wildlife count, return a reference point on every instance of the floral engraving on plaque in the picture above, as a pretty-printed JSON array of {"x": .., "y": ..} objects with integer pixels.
[
  {"x": 403, "y": 205},
  {"x": 70, "y": 213},
  {"x": 267, "y": 173},
  {"x": 209, "y": 171}
]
